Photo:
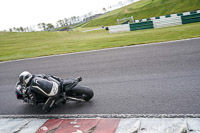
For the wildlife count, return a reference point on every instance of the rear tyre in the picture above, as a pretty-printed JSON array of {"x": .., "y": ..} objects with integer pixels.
[{"x": 81, "y": 92}]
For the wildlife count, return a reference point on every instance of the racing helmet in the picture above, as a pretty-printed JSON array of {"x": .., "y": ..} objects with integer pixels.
[{"x": 25, "y": 77}]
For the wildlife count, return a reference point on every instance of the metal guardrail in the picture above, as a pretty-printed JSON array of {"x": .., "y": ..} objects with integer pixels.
[
  {"x": 191, "y": 18},
  {"x": 159, "y": 22},
  {"x": 166, "y": 22},
  {"x": 141, "y": 26}
]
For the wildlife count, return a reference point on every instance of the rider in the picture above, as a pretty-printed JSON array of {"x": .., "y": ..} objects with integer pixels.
[{"x": 44, "y": 85}]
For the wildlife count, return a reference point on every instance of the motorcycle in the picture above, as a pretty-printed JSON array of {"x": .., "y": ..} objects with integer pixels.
[{"x": 69, "y": 91}]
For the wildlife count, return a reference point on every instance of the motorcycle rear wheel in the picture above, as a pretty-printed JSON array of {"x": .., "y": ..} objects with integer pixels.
[{"x": 81, "y": 92}]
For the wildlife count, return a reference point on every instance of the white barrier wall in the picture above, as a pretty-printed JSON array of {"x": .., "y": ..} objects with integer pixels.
[
  {"x": 158, "y": 22},
  {"x": 166, "y": 22},
  {"x": 119, "y": 28}
]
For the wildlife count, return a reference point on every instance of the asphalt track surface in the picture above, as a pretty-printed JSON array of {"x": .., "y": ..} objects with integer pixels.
[{"x": 160, "y": 78}]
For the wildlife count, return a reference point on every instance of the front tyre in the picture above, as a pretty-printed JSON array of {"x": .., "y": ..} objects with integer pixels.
[{"x": 81, "y": 92}]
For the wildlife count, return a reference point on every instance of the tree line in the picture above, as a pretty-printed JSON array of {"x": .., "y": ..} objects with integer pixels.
[
  {"x": 66, "y": 21},
  {"x": 21, "y": 29},
  {"x": 60, "y": 23},
  {"x": 49, "y": 26}
]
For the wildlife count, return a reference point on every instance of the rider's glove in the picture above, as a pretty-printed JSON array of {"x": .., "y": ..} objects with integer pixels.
[
  {"x": 32, "y": 103},
  {"x": 26, "y": 100}
]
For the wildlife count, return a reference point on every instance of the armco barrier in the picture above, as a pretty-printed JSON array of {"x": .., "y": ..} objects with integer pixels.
[
  {"x": 190, "y": 18},
  {"x": 158, "y": 22},
  {"x": 119, "y": 28},
  {"x": 166, "y": 22},
  {"x": 141, "y": 26}
]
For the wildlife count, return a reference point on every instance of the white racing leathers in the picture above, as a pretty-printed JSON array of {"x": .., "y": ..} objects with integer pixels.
[{"x": 45, "y": 87}]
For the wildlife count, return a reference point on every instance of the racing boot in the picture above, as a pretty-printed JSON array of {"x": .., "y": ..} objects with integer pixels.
[{"x": 49, "y": 104}]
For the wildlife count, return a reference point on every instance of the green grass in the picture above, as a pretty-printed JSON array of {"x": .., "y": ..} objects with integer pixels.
[
  {"x": 34, "y": 44},
  {"x": 145, "y": 9}
]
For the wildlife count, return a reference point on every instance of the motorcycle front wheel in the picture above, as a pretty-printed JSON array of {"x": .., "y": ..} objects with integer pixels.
[{"x": 81, "y": 92}]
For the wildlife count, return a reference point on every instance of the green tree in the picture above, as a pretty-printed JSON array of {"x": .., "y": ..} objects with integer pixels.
[
  {"x": 18, "y": 29},
  {"x": 40, "y": 26},
  {"x": 44, "y": 26},
  {"x": 66, "y": 21},
  {"x": 14, "y": 29},
  {"x": 78, "y": 18},
  {"x": 27, "y": 29},
  {"x": 60, "y": 23},
  {"x": 104, "y": 9},
  {"x": 50, "y": 26},
  {"x": 21, "y": 29}
]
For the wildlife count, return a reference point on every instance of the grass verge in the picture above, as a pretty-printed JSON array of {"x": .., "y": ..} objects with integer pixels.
[
  {"x": 27, "y": 45},
  {"x": 145, "y": 9}
]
